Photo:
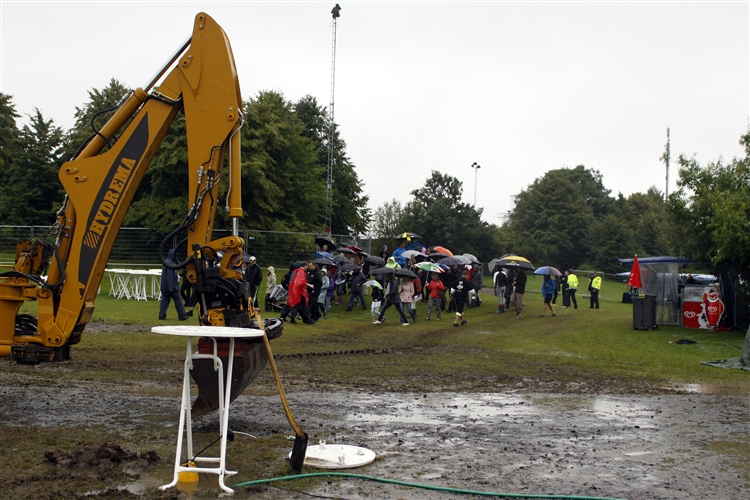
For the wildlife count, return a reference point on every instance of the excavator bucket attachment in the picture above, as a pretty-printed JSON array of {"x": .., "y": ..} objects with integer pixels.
[{"x": 250, "y": 357}]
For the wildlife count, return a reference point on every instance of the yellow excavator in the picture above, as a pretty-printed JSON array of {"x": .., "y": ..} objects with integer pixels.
[{"x": 100, "y": 181}]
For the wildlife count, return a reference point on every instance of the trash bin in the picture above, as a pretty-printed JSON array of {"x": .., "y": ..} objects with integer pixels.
[{"x": 644, "y": 312}]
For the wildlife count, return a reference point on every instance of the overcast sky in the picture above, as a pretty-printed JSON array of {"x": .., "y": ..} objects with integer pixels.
[{"x": 518, "y": 87}]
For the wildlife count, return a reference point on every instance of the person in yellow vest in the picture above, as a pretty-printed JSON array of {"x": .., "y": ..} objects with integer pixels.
[
  {"x": 594, "y": 286},
  {"x": 572, "y": 281}
]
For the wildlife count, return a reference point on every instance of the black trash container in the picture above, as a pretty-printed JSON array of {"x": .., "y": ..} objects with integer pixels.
[{"x": 644, "y": 312}]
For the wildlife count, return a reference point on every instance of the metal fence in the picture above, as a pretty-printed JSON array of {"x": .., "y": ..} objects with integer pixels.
[{"x": 140, "y": 246}]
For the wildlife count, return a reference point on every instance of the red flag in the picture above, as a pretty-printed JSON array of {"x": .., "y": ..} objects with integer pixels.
[{"x": 634, "y": 281}]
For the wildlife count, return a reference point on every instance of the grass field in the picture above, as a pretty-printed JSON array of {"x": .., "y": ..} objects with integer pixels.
[{"x": 583, "y": 350}]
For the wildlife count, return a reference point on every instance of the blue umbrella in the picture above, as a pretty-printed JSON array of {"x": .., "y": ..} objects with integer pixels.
[{"x": 548, "y": 271}]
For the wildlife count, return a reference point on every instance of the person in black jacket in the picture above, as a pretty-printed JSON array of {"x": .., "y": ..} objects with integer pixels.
[
  {"x": 253, "y": 275},
  {"x": 314, "y": 284},
  {"x": 460, "y": 296},
  {"x": 519, "y": 288},
  {"x": 170, "y": 290},
  {"x": 355, "y": 289}
]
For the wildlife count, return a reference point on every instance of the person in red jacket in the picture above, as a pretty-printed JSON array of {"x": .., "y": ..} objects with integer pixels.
[
  {"x": 297, "y": 300},
  {"x": 436, "y": 290}
]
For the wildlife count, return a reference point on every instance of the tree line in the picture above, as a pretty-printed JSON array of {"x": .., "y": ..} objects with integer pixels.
[
  {"x": 568, "y": 219},
  {"x": 565, "y": 218},
  {"x": 284, "y": 149}
]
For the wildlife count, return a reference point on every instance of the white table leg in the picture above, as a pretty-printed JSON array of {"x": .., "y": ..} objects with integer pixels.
[{"x": 186, "y": 418}]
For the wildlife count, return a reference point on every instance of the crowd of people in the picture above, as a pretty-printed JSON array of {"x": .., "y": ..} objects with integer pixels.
[
  {"x": 510, "y": 287},
  {"x": 310, "y": 288}
]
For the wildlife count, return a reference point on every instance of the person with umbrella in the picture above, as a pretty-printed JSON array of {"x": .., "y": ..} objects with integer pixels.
[
  {"x": 393, "y": 298},
  {"x": 330, "y": 292},
  {"x": 355, "y": 289},
  {"x": 314, "y": 284},
  {"x": 500, "y": 281},
  {"x": 323, "y": 293},
  {"x": 519, "y": 288},
  {"x": 436, "y": 290},
  {"x": 548, "y": 291}
]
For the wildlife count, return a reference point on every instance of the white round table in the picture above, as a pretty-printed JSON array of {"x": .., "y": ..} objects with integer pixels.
[{"x": 186, "y": 421}]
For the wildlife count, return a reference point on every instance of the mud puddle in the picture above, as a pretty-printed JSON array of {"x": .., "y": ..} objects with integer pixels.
[{"x": 637, "y": 447}]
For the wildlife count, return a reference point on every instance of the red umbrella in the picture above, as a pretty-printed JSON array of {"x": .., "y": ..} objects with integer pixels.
[{"x": 634, "y": 281}]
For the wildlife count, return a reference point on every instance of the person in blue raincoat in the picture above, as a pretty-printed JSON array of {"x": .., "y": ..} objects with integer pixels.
[{"x": 548, "y": 291}]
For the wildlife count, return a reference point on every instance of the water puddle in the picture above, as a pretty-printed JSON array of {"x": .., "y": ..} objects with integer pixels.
[{"x": 438, "y": 409}]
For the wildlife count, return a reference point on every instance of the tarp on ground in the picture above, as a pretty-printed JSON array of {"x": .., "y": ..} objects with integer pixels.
[{"x": 742, "y": 363}]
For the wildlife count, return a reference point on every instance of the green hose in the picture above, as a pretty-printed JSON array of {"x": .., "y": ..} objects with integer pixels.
[{"x": 415, "y": 485}]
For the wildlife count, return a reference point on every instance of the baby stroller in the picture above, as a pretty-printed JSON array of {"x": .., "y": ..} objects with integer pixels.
[{"x": 276, "y": 299}]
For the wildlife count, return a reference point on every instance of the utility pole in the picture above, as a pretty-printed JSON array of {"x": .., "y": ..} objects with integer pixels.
[
  {"x": 335, "y": 13},
  {"x": 665, "y": 158},
  {"x": 476, "y": 168}
]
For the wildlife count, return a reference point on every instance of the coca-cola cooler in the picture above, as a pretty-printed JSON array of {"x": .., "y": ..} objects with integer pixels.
[{"x": 701, "y": 306}]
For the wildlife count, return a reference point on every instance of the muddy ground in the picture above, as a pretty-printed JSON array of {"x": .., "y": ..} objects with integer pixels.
[{"x": 671, "y": 446}]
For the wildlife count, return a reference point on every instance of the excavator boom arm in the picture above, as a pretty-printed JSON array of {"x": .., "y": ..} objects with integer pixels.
[{"x": 100, "y": 187}]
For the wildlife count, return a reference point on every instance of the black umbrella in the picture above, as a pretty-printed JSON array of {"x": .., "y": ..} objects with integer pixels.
[
  {"x": 456, "y": 260},
  {"x": 406, "y": 272},
  {"x": 349, "y": 267},
  {"x": 325, "y": 244},
  {"x": 325, "y": 262},
  {"x": 514, "y": 261},
  {"x": 382, "y": 271},
  {"x": 406, "y": 236},
  {"x": 346, "y": 250},
  {"x": 374, "y": 259},
  {"x": 437, "y": 256},
  {"x": 342, "y": 259}
]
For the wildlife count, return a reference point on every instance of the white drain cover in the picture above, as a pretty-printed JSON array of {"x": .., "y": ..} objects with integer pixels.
[{"x": 337, "y": 456}]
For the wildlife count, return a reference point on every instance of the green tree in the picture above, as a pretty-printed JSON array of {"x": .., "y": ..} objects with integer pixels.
[
  {"x": 712, "y": 211},
  {"x": 9, "y": 139},
  {"x": 32, "y": 192},
  {"x": 647, "y": 215},
  {"x": 387, "y": 221},
  {"x": 281, "y": 173},
  {"x": 437, "y": 213},
  {"x": 99, "y": 108},
  {"x": 610, "y": 238},
  {"x": 552, "y": 219},
  {"x": 161, "y": 201}
]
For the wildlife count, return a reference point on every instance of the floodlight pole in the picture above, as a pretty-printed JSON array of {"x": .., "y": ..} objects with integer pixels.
[
  {"x": 476, "y": 168},
  {"x": 665, "y": 158},
  {"x": 329, "y": 177}
]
